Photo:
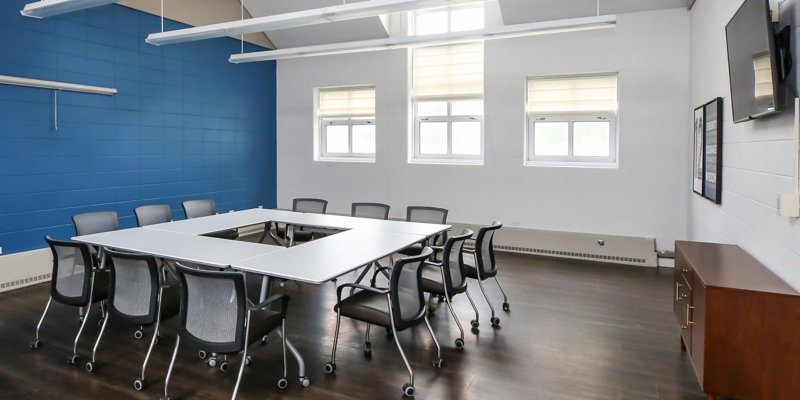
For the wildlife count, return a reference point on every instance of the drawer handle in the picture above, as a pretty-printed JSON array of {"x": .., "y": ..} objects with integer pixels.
[
  {"x": 677, "y": 291},
  {"x": 688, "y": 319}
]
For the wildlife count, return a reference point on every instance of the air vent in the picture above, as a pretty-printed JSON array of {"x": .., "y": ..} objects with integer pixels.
[{"x": 23, "y": 282}]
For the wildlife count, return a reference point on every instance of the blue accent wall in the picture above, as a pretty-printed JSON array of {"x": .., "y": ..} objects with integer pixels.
[{"x": 186, "y": 124}]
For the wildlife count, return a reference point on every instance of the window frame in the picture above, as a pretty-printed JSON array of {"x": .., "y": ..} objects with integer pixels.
[
  {"x": 570, "y": 160},
  {"x": 321, "y": 134},
  {"x": 418, "y": 156}
]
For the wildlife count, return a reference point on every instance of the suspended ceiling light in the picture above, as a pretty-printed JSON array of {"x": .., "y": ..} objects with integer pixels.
[
  {"x": 315, "y": 16},
  {"x": 47, "y": 8},
  {"x": 501, "y": 32}
]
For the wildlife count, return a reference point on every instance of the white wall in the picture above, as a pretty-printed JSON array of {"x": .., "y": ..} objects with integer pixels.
[
  {"x": 758, "y": 160},
  {"x": 645, "y": 196}
]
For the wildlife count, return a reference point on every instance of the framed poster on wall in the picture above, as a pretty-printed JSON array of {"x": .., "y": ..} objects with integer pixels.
[
  {"x": 712, "y": 151},
  {"x": 697, "y": 164}
]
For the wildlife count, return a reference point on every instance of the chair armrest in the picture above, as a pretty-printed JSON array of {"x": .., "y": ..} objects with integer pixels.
[
  {"x": 356, "y": 286},
  {"x": 166, "y": 283},
  {"x": 284, "y": 299},
  {"x": 375, "y": 274},
  {"x": 435, "y": 264}
]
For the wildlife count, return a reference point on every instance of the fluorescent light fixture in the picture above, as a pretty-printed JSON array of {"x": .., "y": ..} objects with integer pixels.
[
  {"x": 48, "y": 8},
  {"x": 53, "y": 85},
  {"x": 315, "y": 16},
  {"x": 501, "y": 32}
]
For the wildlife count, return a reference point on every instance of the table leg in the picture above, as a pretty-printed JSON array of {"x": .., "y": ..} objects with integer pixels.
[{"x": 301, "y": 365}]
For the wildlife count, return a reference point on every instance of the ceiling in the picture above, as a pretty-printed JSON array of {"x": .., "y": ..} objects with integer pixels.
[{"x": 204, "y": 12}]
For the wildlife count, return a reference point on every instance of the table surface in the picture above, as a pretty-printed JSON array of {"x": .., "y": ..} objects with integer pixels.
[{"x": 178, "y": 246}]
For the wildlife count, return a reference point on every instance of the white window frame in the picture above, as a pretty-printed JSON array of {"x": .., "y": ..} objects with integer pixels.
[
  {"x": 569, "y": 160},
  {"x": 321, "y": 134},
  {"x": 449, "y": 157}
]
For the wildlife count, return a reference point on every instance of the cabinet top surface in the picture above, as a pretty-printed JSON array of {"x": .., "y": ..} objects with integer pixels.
[{"x": 729, "y": 266}]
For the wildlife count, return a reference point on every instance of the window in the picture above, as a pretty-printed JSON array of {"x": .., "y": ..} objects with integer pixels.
[
  {"x": 447, "y": 93},
  {"x": 572, "y": 121},
  {"x": 346, "y": 124}
]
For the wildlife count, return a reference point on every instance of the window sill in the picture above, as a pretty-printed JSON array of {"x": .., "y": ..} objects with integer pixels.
[
  {"x": 345, "y": 159},
  {"x": 445, "y": 161},
  {"x": 572, "y": 164}
]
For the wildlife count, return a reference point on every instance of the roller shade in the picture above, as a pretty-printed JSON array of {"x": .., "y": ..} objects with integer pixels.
[
  {"x": 350, "y": 102},
  {"x": 597, "y": 93},
  {"x": 448, "y": 71}
]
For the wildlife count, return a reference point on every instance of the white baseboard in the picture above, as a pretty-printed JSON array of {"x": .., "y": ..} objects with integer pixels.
[{"x": 24, "y": 269}]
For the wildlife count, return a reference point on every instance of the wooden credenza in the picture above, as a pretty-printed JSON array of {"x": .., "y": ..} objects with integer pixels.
[{"x": 740, "y": 323}]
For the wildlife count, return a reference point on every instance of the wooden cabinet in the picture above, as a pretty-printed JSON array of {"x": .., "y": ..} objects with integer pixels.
[{"x": 740, "y": 323}]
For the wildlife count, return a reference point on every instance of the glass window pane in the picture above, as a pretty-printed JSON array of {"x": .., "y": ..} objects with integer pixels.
[
  {"x": 591, "y": 139},
  {"x": 551, "y": 138},
  {"x": 336, "y": 139},
  {"x": 433, "y": 138},
  {"x": 431, "y": 22},
  {"x": 431, "y": 108},
  {"x": 364, "y": 139},
  {"x": 466, "y": 19},
  {"x": 467, "y": 138},
  {"x": 467, "y": 107}
]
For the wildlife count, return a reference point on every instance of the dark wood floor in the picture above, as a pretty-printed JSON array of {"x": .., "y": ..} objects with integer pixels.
[{"x": 575, "y": 331}]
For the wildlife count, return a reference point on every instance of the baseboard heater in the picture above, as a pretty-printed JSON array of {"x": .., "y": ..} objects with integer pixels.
[
  {"x": 24, "y": 269},
  {"x": 614, "y": 249}
]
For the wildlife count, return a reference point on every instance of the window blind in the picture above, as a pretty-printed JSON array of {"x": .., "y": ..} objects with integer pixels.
[
  {"x": 597, "y": 93},
  {"x": 452, "y": 71},
  {"x": 351, "y": 102}
]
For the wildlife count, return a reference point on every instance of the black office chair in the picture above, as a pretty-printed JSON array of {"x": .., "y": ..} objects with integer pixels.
[
  {"x": 429, "y": 215},
  {"x": 95, "y": 222},
  {"x": 152, "y": 214},
  {"x": 300, "y": 233},
  {"x": 217, "y": 316},
  {"x": 447, "y": 278},
  {"x": 205, "y": 208},
  {"x": 396, "y": 308},
  {"x": 484, "y": 267},
  {"x": 370, "y": 210},
  {"x": 139, "y": 295},
  {"x": 75, "y": 282}
]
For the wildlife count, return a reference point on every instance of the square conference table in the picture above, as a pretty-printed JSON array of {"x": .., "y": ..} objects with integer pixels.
[{"x": 360, "y": 242}]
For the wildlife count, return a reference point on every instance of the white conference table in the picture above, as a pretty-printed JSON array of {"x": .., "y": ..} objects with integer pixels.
[{"x": 360, "y": 242}]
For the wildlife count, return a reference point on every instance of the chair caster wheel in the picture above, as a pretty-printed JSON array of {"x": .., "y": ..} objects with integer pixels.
[
  {"x": 506, "y": 306},
  {"x": 265, "y": 339},
  {"x": 138, "y": 334},
  {"x": 330, "y": 368},
  {"x": 248, "y": 360},
  {"x": 35, "y": 344},
  {"x": 212, "y": 362},
  {"x": 459, "y": 343},
  {"x": 304, "y": 381},
  {"x": 139, "y": 384},
  {"x": 368, "y": 347},
  {"x": 441, "y": 299},
  {"x": 202, "y": 354},
  {"x": 223, "y": 366},
  {"x": 282, "y": 383},
  {"x": 73, "y": 359},
  {"x": 438, "y": 362},
  {"x": 475, "y": 323},
  {"x": 409, "y": 390},
  {"x": 100, "y": 322},
  {"x": 495, "y": 321},
  {"x": 90, "y": 366}
]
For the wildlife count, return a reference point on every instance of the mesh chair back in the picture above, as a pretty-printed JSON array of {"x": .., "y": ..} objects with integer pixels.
[
  {"x": 370, "y": 210},
  {"x": 199, "y": 208},
  {"x": 95, "y": 222},
  {"x": 405, "y": 290},
  {"x": 133, "y": 293},
  {"x": 72, "y": 267},
  {"x": 454, "y": 279},
  {"x": 484, "y": 248},
  {"x": 308, "y": 205},
  {"x": 213, "y": 309},
  {"x": 152, "y": 214},
  {"x": 429, "y": 215}
]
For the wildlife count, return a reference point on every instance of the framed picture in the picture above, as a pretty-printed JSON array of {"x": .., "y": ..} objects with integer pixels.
[
  {"x": 712, "y": 151},
  {"x": 698, "y": 162}
]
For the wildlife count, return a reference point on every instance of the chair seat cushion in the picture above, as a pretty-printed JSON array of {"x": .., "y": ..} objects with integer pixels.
[
  {"x": 470, "y": 271},
  {"x": 101, "y": 282},
  {"x": 412, "y": 250},
  {"x": 432, "y": 279},
  {"x": 263, "y": 322},
  {"x": 366, "y": 306},
  {"x": 170, "y": 302}
]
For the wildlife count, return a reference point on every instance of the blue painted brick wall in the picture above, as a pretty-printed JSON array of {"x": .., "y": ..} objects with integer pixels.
[{"x": 185, "y": 124}]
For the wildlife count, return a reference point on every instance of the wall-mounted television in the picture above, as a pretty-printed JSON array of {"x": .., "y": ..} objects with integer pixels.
[{"x": 753, "y": 62}]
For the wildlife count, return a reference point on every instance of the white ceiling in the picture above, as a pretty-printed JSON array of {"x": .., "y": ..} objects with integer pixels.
[{"x": 522, "y": 11}]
